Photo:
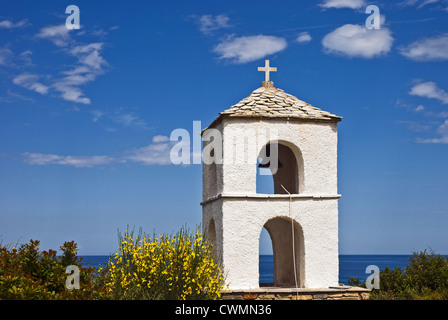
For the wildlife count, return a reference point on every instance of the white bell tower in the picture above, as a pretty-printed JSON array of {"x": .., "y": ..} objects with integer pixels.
[{"x": 298, "y": 142}]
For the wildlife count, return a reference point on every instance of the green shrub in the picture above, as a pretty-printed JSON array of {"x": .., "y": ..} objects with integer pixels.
[
  {"x": 179, "y": 266},
  {"x": 424, "y": 278},
  {"x": 29, "y": 274}
]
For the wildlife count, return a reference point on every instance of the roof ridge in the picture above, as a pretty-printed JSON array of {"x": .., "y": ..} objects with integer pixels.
[{"x": 275, "y": 102}]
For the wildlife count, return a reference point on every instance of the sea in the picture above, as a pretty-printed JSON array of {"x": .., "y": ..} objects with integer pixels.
[{"x": 349, "y": 265}]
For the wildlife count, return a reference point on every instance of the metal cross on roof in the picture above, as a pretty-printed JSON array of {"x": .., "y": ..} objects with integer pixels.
[{"x": 267, "y": 69}]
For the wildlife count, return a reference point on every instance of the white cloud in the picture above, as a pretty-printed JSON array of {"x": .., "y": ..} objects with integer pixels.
[
  {"x": 435, "y": 48},
  {"x": 160, "y": 138},
  {"x": 109, "y": 119},
  {"x": 420, "y": 108},
  {"x": 26, "y": 56},
  {"x": 90, "y": 65},
  {"x": 97, "y": 115},
  {"x": 442, "y": 131},
  {"x": 128, "y": 119},
  {"x": 426, "y": 2},
  {"x": 209, "y": 23},
  {"x": 71, "y": 161},
  {"x": 303, "y": 37},
  {"x": 59, "y": 35},
  {"x": 400, "y": 103},
  {"x": 352, "y": 4},
  {"x": 15, "y": 95},
  {"x": 429, "y": 90},
  {"x": 30, "y": 82},
  {"x": 416, "y": 126},
  {"x": 443, "y": 114},
  {"x": 156, "y": 153},
  {"x": 358, "y": 41},
  {"x": 70, "y": 93},
  {"x": 89, "y": 55},
  {"x": 5, "y": 56},
  {"x": 7, "y": 24},
  {"x": 249, "y": 48},
  {"x": 418, "y": 3}
]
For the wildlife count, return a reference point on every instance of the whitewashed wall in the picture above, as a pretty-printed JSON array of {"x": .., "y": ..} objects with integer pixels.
[{"x": 239, "y": 213}]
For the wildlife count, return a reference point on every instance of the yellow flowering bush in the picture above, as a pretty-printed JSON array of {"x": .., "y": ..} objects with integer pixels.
[{"x": 179, "y": 266}]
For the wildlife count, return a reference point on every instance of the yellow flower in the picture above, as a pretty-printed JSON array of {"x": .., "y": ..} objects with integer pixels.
[{"x": 182, "y": 264}]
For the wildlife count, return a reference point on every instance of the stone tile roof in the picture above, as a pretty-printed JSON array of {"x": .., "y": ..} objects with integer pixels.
[{"x": 268, "y": 101}]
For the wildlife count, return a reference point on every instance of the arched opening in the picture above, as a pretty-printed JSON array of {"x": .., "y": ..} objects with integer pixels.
[
  {"x": 288, "y": 252},
  {"x": 211, "y": 175},
  {"x": 211, "y": 234},
  {"x": 287, "y": 173},
  {"x": 266, "y": 262},
  {"x": 264, "y": 180}
]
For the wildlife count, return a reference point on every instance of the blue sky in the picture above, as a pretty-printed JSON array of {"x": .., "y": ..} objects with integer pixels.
[{"x": 85, "y": 113}]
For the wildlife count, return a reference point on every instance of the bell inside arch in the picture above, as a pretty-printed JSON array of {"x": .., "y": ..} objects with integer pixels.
[{"x": 268, "y": 155}]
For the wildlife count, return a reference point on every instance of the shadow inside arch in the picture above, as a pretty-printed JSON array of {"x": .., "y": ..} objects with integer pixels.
[
  {"x": 288, "y": 172},
  {"x": 288, "y": 252}
]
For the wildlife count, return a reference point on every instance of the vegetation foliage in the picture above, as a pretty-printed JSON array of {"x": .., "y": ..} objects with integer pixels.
[
  {"x": 178, "y": 266},
  {"x": 26, "y": 273},
  {"x": 424, "y": 278}
]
